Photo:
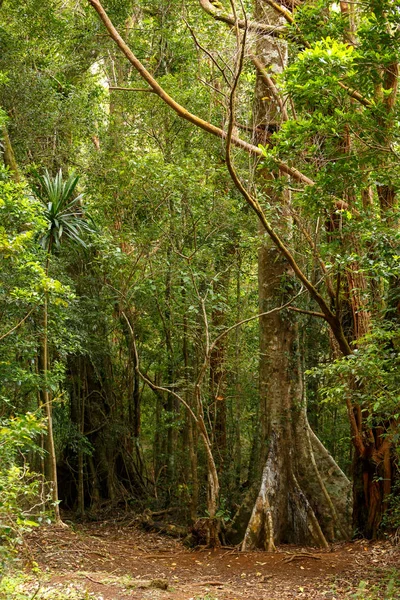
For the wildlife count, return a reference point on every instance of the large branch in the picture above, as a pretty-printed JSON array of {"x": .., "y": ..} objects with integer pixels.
[
  {"x": 181, "y": 110},
  {"x": 330, "y": 317},
  {"x": 144, "y": 73}
]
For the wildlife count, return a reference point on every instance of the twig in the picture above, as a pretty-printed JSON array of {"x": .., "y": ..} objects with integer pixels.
[
  {"x": 205, "y": 583},
  {"x": 207, "y": 52},
  {"x": 18, "y": 324},
  {"x": 129, "y": 89},
  {"x": 95, "y": 580}
]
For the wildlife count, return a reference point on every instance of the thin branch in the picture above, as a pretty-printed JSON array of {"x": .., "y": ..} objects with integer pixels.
[
  {"x": 356, "y": 95},
  {"x": 181, "y": 110},
  {"x": 207, "y": 52},
  {"x": 217, "y": 91},
  {"x": 203, "y": 309},
  {"x": 17, "y": 325},
  {"x": 255, "y": 205},
  {"x": 260, "y": 28},
  {"x": 263, "y": 314},
  {"x": 307, "y": 312},
  {"x": 130, "y": 89},
  {"x": 150, "y": 383},
  {"x": 313, "y": 247}
]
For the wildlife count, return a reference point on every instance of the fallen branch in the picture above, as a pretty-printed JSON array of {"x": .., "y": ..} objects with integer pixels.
[
  {"x": 95, "y": 580},
  {"x": 206, "y": 583},
  {"x": 299, "y": 556}
]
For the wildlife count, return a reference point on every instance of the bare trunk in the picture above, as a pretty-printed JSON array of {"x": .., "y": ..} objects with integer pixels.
[
  {"x": 81, "y": 391},
  {"x": 217, "y": 364},
  {"x": 191, "y": 430},
  {"x": 238, "y": 388}
]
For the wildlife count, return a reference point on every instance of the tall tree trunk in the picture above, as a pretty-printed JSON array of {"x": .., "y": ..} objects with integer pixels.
[
  {"x": 171, "y": 406},
  {"x": 237, "y": 381},
  {"x": 373, "y": 462},
  {"x": 293, "y": 504}
]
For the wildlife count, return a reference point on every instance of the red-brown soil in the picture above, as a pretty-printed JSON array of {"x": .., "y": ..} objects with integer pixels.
[{"x": 115, "y": 562}]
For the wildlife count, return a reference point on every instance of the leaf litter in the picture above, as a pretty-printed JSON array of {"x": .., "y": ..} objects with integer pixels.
[{"x": 110, "y": 561}]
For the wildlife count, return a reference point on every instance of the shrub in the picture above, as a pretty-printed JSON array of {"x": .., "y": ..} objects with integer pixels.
[{"x": 20, "y": 494}]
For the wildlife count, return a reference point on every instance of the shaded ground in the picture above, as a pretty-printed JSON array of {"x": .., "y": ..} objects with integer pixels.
[{"x": 111, "y": 562}]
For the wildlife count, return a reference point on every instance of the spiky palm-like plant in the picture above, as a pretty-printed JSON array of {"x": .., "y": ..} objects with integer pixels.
[
  {"x": 63, "y": 210},
  {"x": 65, "y": 220}
]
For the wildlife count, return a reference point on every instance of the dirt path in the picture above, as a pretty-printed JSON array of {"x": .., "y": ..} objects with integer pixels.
[{"x": 109, "y": 562}]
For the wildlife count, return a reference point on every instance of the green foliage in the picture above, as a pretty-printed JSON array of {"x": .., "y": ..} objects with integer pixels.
[
  {"x": 19, "y": 586},
  {"x": 374, "y": 370},
  {"x": 23, "y": 282},
  {"x": 313, "y": 77},
  {"x": 20, "y": 499},
  {"x": 391, "y": 519},
  {"x": 388, "y": 589}
]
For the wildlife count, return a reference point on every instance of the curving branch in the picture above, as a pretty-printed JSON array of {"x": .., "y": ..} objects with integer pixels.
[
  {"x": 181, "y": 110},
  {"x": 156, "y": 87},
  {"x": 22, "y": 321},
  {"x": 326, "y": 312},
  {"x": 330, "y": 317}
]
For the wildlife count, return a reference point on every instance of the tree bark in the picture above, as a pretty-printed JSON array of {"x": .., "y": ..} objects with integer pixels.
[
  {"x": 293, "y": 504},
  {"x": 48, "y": 405}
]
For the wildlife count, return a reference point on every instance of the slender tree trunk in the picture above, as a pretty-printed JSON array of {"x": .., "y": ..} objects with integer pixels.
[
  {"x": 9, "y": 156},
  {"x": 217, "y": 364},
  {"x": 47, "y": 400},
  {"x": 171, "y": 407},
  {"x": 81, "y": 391},
  {"x": 373, "y": 459},
  {"x": 238, "y": 388},
  {"x": 191, "y": 430},
  {"x": 95, "y": 486}
]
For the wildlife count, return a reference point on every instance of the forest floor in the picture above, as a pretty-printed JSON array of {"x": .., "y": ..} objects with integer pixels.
[{"x": 110, "y": 561}]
